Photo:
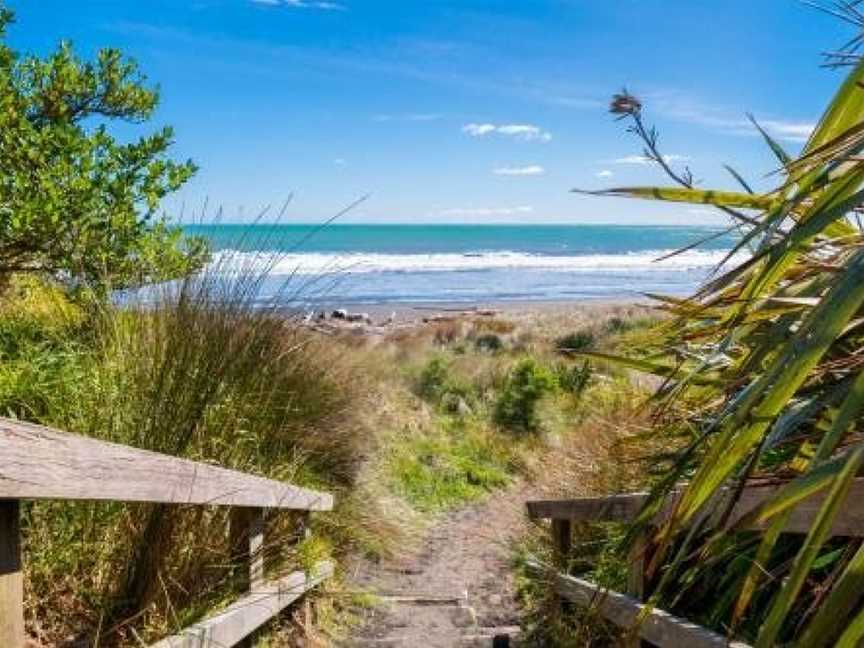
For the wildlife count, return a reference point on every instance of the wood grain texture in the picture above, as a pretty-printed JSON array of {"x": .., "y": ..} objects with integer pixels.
[
  {"x": 41, "y": 463},
  {"x": 242, "y": 618},
  {"x": 11, "y": 577},
  {"x": 625, "y": 508},
  {"x": 612, "y": 508},
  {"x": 659, "y": 627}
]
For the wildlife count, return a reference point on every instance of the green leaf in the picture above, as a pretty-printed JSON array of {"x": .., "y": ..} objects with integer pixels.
[
  {"x": 692, "y": 196},
  {"x": 809, "y": 551}
]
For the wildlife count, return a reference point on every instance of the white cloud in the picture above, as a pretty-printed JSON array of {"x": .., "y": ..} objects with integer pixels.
[
  {"x": 530, "y": 170},
  {"x": 605, "y": 173},
  {"x": 488, "y": 211},
  {"x": 789, "y": 131},
  {"x": 525, "y": 132},
  {"x": 478, "y": 130},
  {"x": 641, "y": 159},
  {"x": 412, "y": 117},
  {"x": 324, "y": 5},
  {"x": 340, "y": 162},
  {"x": 684, "y": 108}
]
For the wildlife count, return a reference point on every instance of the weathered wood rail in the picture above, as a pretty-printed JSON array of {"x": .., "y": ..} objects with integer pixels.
[
  {"x": 40, "y": 463},
  {"x": 626, "y": 610}
]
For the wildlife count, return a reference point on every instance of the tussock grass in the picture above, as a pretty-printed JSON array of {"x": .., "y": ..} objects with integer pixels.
[{"x": 201, "y": 371}]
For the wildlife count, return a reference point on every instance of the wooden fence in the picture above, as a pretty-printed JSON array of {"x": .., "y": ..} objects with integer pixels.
[
  {"x": 626, "y": 610},
  {"x": 38, "y": 463}
]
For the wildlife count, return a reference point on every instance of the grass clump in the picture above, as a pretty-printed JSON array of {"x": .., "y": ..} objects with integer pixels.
[
  {"x": 577, "y": 341},
  {"x": 202, "y": 372},
  {"x": 452, "y": 465}
]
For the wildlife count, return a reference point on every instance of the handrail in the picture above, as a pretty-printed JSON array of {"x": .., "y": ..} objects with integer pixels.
[
  {"x": 658, "y": 626},
  {"x": 651, "y": 624},
  {"x": 627, "y": 506},
  {"x": 37, "y": 462}
]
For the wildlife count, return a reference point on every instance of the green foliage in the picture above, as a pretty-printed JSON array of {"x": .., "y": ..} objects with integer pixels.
[
  {"x": 75, "y": 203},
  {"x": 577, "y": 341},
  {"x": 527, "y": 383},
  {"x": 433, "y": 378},
  {"x": 778, "y": 337},
  {"x": 489, "y": 342},
  {"x": 437, "y": 385},
  {"x": 573, "y": 379},
  {"x": 204, "y": 373},
  {"x": 457, "y": 463}
]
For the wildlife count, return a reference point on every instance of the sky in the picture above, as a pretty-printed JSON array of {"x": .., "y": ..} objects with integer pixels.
[{"x": 456, "y": 110}]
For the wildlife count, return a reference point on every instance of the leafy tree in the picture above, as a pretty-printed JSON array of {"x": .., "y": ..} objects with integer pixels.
[{"x": 76, "y": 203}]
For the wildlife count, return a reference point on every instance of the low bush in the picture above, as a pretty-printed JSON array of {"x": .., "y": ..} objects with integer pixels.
[
  {"x": 577, "y": 341},
  {"x": 573, "y": 379},
  {"x": 488, "y": 342},
  {"x": 437, "y": 385},
  {"x": 526, "y": 384}
]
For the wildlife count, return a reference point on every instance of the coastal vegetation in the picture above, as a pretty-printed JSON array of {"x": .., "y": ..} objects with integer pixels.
[
  {"x": 761, "y": 384},
  {"x": 117, "y": 325},
  {"x": 96, "y": 341}
]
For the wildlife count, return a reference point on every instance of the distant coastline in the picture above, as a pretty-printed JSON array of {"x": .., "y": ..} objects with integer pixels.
[{"x": 468, "y": 264}]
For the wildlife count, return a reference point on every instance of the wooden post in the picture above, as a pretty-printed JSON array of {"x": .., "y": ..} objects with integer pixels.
[
  {"x": 636, "y": 569},
  {"x": 247, "y": 547},
  {"x": 246, "y": 537},
  {"x": 305, "y": 532},
  {"x": 562, "y": 539},
  {"x": 11, "y": 576}
]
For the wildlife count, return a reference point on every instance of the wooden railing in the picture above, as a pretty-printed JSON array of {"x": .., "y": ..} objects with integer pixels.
[
  {"x": 38, "y": 463},
  {"x": 626, "y": 610}
]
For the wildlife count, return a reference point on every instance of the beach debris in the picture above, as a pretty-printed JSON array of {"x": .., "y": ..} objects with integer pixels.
[{"x": 339, "y": 313}]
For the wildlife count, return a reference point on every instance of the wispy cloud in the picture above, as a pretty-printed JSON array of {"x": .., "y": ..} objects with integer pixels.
[
  {"x": 487, "y": 211},
  {"x": 340, "y": 162},
  {"x": 641, "y": 159},
  {"x": 413, "y": 117},
  {"x": 681, "y": 107},
  {"x": 525, "y": 132},
  {"x": 530, "y": 170},
  {"x": 605, "y": 173},
  {"x": 324, "y": 5}
]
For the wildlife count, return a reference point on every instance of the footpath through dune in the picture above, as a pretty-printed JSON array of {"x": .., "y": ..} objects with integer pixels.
[{"x": 456, "y": 588}]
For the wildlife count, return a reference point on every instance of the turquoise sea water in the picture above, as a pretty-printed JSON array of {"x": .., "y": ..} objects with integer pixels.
[{"x": 353, "y": 264}]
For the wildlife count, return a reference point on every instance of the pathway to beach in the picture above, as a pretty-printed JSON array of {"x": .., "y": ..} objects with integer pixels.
[{"x": 456, "y": 587}]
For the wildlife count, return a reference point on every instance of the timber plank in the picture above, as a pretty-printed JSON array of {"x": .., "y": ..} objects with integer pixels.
[
  {"x": 243, "y": 617},
  {"x": 626, "y": 507},
  {"x": 42, "y": 463},
  {"x": 659, "y": 627}
]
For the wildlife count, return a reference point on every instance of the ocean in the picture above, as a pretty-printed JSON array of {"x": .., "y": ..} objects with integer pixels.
[{"x": 374, "y": 264}]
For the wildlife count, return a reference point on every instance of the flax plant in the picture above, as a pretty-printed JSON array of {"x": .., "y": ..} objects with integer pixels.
[{"x": 778, "y": 343}]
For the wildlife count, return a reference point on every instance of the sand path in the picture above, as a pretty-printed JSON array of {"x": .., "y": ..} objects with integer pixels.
[{"x": 456, "y": 588}]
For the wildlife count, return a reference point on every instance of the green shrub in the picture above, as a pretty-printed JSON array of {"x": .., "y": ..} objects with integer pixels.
[
  {"x": 432, "y": 379},
  {"x": 438, "y": 386},
  {"x": 577, "y": 341},
  {"x": 527, "y": 383},
  {"x": 573, "y": 379},
  {"x": 489, "y": 342}
]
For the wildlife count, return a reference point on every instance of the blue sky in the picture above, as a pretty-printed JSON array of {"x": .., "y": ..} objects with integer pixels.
[{"x": 446, "y": 110}]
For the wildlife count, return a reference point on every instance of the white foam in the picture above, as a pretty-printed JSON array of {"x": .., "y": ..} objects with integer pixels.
[{"x": 317, "y": 263}]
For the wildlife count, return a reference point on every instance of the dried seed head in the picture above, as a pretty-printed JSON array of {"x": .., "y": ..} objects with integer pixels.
[{"x": 625, "y": 104}]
